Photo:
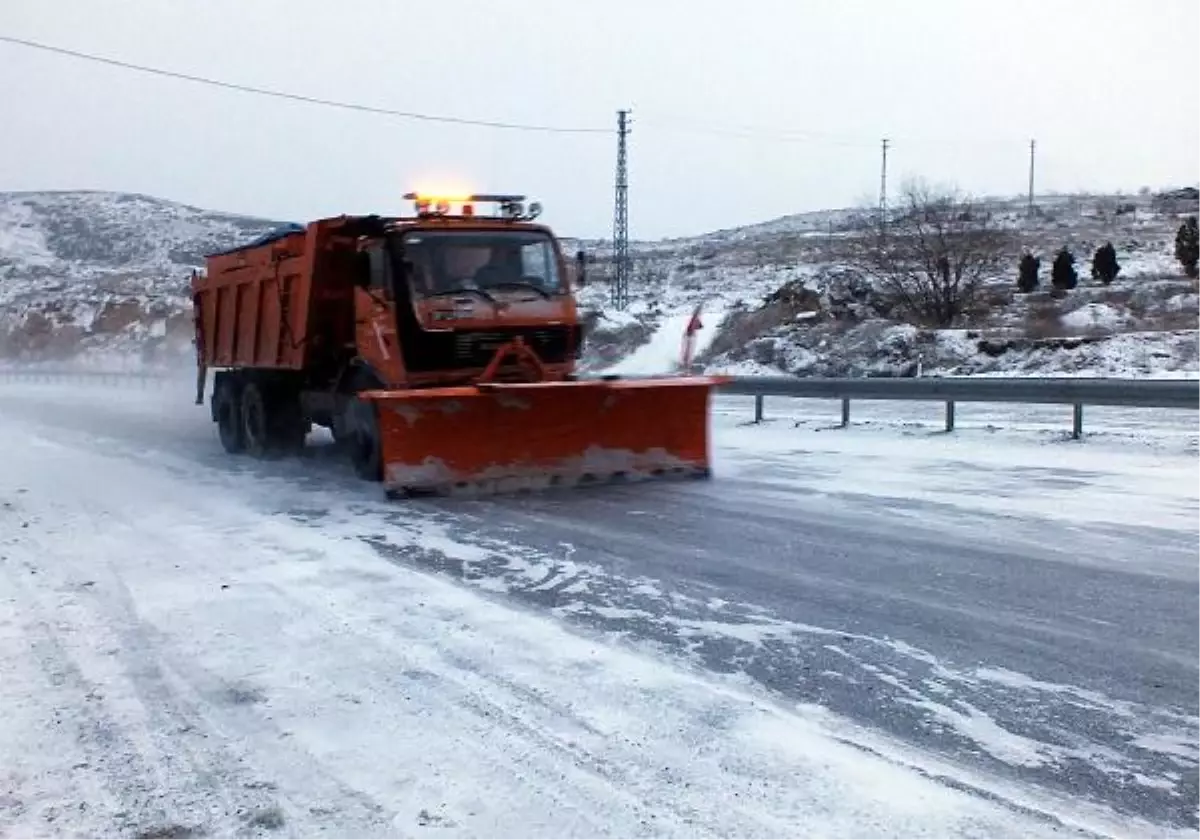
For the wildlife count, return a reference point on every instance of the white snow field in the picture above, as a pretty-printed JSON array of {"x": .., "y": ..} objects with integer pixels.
[
  {"x": 1135, "y": 467},
  {"x": 192, "y": 644}
]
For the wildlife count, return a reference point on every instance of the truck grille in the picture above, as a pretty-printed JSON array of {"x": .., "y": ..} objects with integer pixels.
[{"x": 476, "y": 349}]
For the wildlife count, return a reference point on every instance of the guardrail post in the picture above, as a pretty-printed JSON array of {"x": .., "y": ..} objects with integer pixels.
[
  {"x": 1077, "y": 424},
  {"x": 845, "y": 413},
  {"x": 949, "y": 416},
  {"x": 758, "y": 408}
]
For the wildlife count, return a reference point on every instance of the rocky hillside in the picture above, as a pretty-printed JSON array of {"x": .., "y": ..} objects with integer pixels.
[
  {"x": 788, "y": 300},
  {"x": 103, "y": 277}
]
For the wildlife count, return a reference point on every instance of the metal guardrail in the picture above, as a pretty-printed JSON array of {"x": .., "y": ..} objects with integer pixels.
[
  {"x": 144, "y": 379},
  {"x": 1077, "y": 393},
  {"x": 1132, "y": 393}
]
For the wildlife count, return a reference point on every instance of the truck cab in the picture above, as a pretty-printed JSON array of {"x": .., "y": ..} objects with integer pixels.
[{"x": 439, "y": 293}]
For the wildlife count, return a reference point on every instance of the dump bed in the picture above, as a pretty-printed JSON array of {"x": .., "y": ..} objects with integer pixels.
[
  {"x": 251, "y": 306},
  {"x": 284, "y": 301}
]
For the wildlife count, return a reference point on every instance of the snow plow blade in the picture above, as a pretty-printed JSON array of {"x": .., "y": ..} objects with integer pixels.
[{"x": 499, "y": 438}]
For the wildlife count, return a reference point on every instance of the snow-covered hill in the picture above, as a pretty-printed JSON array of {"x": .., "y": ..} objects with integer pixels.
[
  {"x": 783, "y": 299},
  {"x": 102, "y": 278}
]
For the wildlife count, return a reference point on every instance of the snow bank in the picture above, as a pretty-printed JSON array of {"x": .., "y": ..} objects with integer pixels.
[
  {"x": 663, "y": 353},
  {"x": 744, "y": 368},
  {"x": 1138, "y": 467},
  {"x": 1093, "y": 316}
]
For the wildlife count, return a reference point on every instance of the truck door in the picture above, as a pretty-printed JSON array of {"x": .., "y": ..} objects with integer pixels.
[{"x": 375, "y": 318}]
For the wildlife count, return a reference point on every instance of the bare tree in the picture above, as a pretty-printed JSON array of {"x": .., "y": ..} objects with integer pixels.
[
  {"x": 932, "y": 253},
  {"x": 648, "y": 271}
]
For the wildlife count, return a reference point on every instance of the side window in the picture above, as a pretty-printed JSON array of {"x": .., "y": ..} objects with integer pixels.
[
  {"x": 381, "y": 269},
  {"x": 536, "y": 265}
]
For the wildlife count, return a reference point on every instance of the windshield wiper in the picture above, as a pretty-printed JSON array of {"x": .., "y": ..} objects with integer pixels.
[
  {"x": 520, "y": 284},
  {"x": 463, "y": 291}
]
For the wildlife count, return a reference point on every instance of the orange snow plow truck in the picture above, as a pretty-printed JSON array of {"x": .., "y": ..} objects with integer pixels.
[{"x": 440, "y": 351}]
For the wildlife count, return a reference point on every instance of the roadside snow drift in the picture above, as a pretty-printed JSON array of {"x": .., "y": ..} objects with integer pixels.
[{"x": 663, "y": 353}]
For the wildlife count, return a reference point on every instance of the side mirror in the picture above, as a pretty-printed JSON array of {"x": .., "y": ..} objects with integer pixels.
[{"x": 581, "y": 260}]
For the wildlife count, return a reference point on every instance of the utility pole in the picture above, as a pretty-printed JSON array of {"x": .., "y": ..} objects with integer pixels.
[
  {"x": 620, "y": 284},
  {"x": 883, "y": 188},
  {"x": 1032, "y": 148}
]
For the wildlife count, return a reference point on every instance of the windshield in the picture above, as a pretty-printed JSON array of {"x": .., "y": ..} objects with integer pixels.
[{"x": 441, "y": 262}]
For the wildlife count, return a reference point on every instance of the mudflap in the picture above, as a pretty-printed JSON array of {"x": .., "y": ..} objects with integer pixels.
[{"x": 500, "y": 438}]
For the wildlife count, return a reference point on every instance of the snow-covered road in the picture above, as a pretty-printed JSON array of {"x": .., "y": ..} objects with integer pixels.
[{"x": 884, "y": 632}]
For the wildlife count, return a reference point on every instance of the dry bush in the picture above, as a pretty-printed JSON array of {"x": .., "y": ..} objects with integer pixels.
[{"x": 933, "y": 254}]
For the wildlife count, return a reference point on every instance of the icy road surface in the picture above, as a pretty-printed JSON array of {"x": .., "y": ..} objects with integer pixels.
[{"x": 883, "y": 631}]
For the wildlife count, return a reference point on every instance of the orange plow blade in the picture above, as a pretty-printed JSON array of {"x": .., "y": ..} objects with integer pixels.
[{"x": 505, "y": 437}]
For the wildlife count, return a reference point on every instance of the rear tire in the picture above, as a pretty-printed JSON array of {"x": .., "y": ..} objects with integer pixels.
[
  {"x": 256, "y": 421},
  {"x": 363, "y": 440},
  {"x": 272, "y": 421},
  {"x": 288, "y": 426},
  {"x": 228, "y": 410}
]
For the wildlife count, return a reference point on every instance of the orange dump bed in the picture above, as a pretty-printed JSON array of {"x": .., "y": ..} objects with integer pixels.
[{"x": 274, "y": 303}]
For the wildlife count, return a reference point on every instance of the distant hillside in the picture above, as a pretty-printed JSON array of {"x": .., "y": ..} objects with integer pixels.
[
  {"x": 787, "y": 300},
  {"x": 103, "y": 275},
  {"x": 102, "y": 279}
]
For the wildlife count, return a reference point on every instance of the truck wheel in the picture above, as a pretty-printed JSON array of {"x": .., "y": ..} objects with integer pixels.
[
  {"x": 256, "y": 425},
  {"x": 292, "y": 435},
  {"x": 366, "y": 452},
  {"x": 339, "y": 427},
  {"x": 228, "y": 410}
]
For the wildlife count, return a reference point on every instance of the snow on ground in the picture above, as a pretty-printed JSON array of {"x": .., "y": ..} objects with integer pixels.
[
  {"x": 20, "y": 237},
  {"x": 1136, "y": 466},
  {"x": 179, "y": 653},
  {"x": 663, "y": 352},
  {"x": 744, "y": 368},
  {"x": 1092, "y": 373},
  {"x": 1152, "y": 262},
  {"x": 1129, "y": 355},
  {"x": 1093, "y": 316},
  {"x": 178, "y": 658}
]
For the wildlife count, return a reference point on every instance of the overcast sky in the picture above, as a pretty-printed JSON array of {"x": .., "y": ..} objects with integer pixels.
[{"x": 796, "y": 95}]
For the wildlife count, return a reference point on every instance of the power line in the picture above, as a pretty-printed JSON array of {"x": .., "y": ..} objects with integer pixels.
[
  {"x": 296, "y": 97},
  {"x": 781, "y": 135},
  {"x": 754, "y": 133},
  {"x": 681, "y": 124}
]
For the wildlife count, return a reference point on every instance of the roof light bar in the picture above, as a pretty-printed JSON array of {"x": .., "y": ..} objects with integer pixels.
[{"x": 512, "y": 207}]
